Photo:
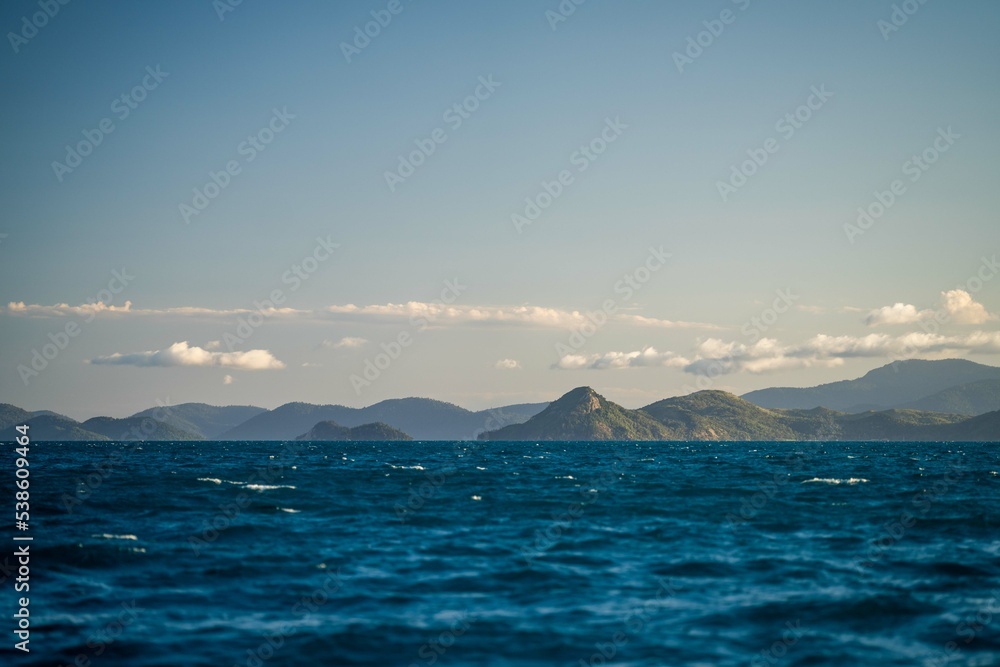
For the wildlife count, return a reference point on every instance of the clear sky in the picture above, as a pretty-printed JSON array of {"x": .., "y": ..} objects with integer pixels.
[{"x": 382, "y": 215}]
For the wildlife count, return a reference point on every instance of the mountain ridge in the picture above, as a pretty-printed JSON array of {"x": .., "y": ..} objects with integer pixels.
[
  {"x": 583, "y": 414},
  {"x": 720, "y": 416},
  {"x": 704, "y": 415},
  {"x": 891, "y": 386},
  {"x": 209, "y": 421},
  {"x": 330, "y": 431},
  {"x": 420, "y": 418}
]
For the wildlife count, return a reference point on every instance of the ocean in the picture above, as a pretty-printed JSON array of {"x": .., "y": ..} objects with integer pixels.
[{"x": 594, "y": 554}]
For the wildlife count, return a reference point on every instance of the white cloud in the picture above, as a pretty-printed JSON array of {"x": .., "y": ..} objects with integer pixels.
[
  {"x": 899, "y": 313},
  {"x": 507, "y": 365},
  {"x": 181, "y": 354},
  {"x": 957, "y": 306},
  {"x": 665, "y": 324},
  {"x": 640, "y": 358},
  {"x": 20, "y": 308},
  {"x": 964, "y": 309},
  {"x": 822, "y": 345},
  {"x": 717, "y": 357},
  {"x": 435, "y": 313},
  {"x": 63, "y": 309},
  {"x": 438, "y": 313},
  {"x": 347, "y": 341},
  {"x": 227, "y": 380},
  {"x": 535, "y": 316}
]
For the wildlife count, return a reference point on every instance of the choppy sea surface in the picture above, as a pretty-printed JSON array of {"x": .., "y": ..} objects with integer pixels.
[{"x": 690, "y": 554}]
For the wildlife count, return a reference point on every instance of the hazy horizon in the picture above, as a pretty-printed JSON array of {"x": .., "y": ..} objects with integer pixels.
[
  {"x": 171, "y": 401},
  {"x": 503, "y": 201}
]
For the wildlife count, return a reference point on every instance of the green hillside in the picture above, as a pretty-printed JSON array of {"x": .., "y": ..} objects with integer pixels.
[
  {"x": 583, "y": 414},
  {"x": 329, "y": 431},
  {"x": 718, "y": 415},
  {"x": 132, "y": 429},
  {"x": 50, "y": 428}
]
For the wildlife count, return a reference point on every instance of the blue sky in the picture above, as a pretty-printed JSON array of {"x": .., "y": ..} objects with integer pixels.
[{"x": 906, "y": 286}]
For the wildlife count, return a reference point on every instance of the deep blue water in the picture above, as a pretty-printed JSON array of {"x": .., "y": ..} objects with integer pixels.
[{"x": 177, "y": 554}]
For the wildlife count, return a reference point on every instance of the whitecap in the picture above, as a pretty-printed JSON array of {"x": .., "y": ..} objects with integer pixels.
[
  {"x": 109, "y": 536},
  {"x": 832, "y": 480},
  {"x": 290, "y": 511},
  {"x": 213, "y": 480},
  {"x": 267, "y": 487},
  {"x": 477, "y": 497}
]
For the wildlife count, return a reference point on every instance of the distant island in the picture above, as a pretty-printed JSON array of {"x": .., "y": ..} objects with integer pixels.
[
  {"x": 330, "y": 431},
  {"x": 583, "y": 414},
  {"x": 948, "y": 400}
]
